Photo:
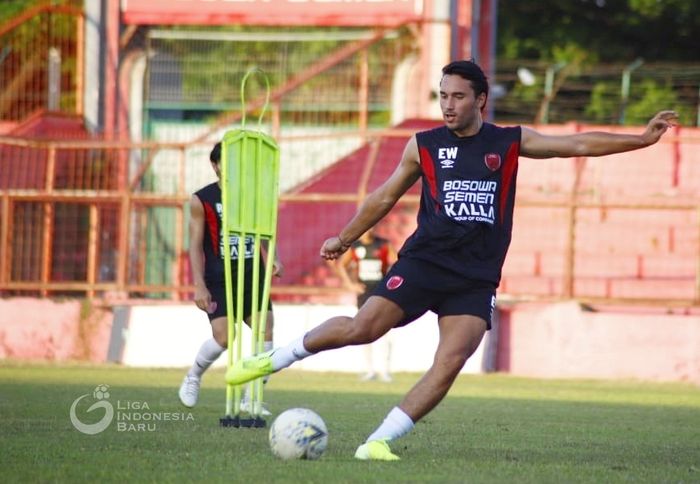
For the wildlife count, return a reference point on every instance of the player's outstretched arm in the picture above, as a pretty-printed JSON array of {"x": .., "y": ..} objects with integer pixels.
[
  {"x": 594, "y": 143},
  {"x": 378, "y": 203}
]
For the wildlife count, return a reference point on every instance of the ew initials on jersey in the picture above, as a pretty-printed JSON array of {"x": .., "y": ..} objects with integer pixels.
[{"x": 447, "y": 156}]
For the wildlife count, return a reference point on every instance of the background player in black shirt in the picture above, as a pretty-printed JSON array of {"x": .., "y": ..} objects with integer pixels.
[{"x": 452, "y": 263}]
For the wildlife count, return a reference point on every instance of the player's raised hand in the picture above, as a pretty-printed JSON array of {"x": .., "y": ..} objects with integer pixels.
[
  {"x": 658, "y": 125},
  {"x": 333, "y": 248}
]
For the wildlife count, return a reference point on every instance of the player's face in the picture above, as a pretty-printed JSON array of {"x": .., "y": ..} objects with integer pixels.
[{"x": 461, "y": 109}]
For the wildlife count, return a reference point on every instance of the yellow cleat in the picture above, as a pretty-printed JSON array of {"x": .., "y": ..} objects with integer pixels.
[
  {"x": 375, "y": 450},
  {"x": 247, "y": 369}
]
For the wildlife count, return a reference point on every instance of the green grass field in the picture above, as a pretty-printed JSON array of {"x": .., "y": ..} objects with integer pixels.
[{"x": 490, "y": 428}]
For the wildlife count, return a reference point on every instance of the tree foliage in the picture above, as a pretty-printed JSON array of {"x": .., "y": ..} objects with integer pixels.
[{"x": 609, "y": 30}]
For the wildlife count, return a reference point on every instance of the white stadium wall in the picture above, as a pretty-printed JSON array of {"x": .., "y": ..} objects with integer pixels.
[
  {"x": 180, "y": 330},
  {"x": 561, "y": 340}
]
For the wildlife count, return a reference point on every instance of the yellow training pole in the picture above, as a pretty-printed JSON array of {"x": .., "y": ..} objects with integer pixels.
[{"x": 250, "y": 186}]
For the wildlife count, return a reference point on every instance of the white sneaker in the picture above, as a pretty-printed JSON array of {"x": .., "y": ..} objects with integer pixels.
[
  {"x": 189, "y": 391},
  {"x": 247, "y": 407}
]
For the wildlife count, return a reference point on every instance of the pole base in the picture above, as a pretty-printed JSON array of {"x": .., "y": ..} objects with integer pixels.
[{"x": 247, "y": 422}]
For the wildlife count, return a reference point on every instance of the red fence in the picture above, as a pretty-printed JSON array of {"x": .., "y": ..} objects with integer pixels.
[{"x": 617, "y": 228}]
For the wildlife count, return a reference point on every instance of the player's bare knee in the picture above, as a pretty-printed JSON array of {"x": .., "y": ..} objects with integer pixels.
[{"x": 221, "y": 338}]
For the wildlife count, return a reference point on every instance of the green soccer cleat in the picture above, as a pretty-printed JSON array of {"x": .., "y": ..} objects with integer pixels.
[
  {"x": 247, "y": 369},
  {"x": 375, "y": 450}
]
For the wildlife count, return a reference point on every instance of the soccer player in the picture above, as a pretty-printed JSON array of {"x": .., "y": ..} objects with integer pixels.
[
  {"x": 361, "y": 269},
  {"x": 452, "y": 262},
  {"x": 206, "y": 260}
]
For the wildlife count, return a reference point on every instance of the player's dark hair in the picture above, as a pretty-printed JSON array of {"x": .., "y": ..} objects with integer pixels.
[
  {"x": 215, "y": 155},
  {"x": 469, "y": 70}
]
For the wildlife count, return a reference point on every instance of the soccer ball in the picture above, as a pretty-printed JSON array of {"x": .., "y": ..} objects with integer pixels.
[{"x": 298, "y": 433}]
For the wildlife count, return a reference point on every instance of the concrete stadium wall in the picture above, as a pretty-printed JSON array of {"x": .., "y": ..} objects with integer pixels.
[
  {"x": 181, "y": 329},
  {"x": 43, "y": 329},
  {"x": 566, "y": 341},
  {"x": 534, "y": 340}
]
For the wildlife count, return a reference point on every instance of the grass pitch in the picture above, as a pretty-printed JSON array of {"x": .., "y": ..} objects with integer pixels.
[{"x": 490, "y": 428}]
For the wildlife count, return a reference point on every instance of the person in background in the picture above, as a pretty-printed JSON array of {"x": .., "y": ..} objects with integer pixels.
[{"x": 361, "y": 269}]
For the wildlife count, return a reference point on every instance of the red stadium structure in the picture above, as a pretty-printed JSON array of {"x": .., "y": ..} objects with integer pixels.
[{"x": 102, "y": 141}]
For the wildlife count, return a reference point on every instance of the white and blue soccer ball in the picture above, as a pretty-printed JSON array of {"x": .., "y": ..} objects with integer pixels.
[{"x": 298, "y": 433}]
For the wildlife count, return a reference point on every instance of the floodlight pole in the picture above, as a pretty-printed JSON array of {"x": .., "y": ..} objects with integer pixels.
[
  {"x": 549, "y": 88},
  {"x": 625, "y": 87}
]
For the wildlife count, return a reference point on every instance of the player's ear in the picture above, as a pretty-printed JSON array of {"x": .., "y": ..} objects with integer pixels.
[{"x": 481, "y": 101}]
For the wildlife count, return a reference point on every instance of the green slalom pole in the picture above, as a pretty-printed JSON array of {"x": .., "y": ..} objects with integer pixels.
[{"x": 250, "y": 186}]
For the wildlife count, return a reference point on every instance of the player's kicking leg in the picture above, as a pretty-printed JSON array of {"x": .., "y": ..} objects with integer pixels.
[
  {"x": 374, "y": 319},
  {"x": 459, "y": 338}
]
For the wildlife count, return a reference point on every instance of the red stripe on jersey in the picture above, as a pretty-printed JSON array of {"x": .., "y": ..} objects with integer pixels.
[
  {"x": 428, "y": 165},
  {"x": 507, "y": 174},
  {"x": 212, "y": 223}
]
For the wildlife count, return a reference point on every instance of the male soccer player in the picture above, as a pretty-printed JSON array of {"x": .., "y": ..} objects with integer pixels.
[
  {"x": 206, "y": 260},
  {"x": 452, "y": 262}
]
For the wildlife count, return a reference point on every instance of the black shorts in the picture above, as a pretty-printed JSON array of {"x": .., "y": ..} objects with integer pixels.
[
  {"x": 218, "y": 295},
  {"x": 418, "y": 286}
]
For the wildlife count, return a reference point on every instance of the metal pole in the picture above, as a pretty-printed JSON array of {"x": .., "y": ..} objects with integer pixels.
[
  {"x": 625, "y": 87},
  {"x": 476, "y": 27},
  {"x": 54, "y": 81},
  {"x": 549, "y": 88}
]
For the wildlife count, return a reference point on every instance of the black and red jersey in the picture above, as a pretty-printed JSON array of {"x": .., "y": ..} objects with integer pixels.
[
  {"x": 466, "y": 209},
  {"x": 213, "y": 243}
]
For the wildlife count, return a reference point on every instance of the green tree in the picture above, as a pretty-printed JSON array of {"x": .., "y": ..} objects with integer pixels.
[
  {"x": 653, "y": 98},
  {"x": 604, "y": 102},
  {"x": 612, "y": 30}
]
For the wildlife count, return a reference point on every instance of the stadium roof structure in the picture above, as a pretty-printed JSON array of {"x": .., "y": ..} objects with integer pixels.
[{"x": 272, "y": 12}]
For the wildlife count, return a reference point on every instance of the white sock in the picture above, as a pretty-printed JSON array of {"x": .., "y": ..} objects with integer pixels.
[
  {"x": 208, "y": 353},
  {"x": 395, "y": 425},
  {"x": 286, "y": 355}
]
